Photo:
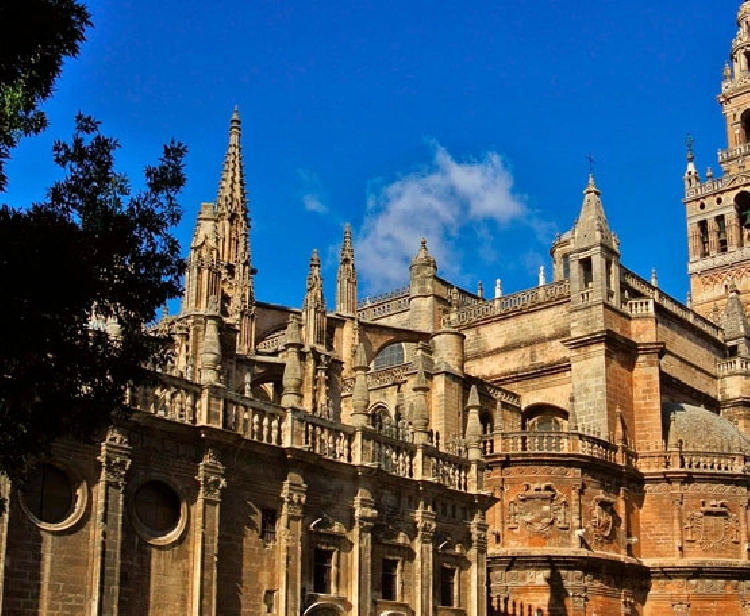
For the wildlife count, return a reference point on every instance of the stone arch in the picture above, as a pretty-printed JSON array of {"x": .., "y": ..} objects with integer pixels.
[
  {"x": 392, "y": 354},
  {"x": 323, "y": 608},
  {"x": 380, "y": 415},
  {"x": 542, "y": 417},
  {"x": 377, "y": 337}
]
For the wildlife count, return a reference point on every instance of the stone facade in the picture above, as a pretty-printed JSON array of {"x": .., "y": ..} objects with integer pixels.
[{"x": 578, "y": 448}]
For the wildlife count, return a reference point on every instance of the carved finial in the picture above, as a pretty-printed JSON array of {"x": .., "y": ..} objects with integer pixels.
[
  {"x": 480, "y": 290},
  {"x": 654, "y": 278},
  {"x": 542, "y": 276},
  {"x": 498, "y": 289},
  {"x": 690, "y": 145}
]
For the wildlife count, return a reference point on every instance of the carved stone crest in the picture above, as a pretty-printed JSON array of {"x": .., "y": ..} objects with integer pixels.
[
  {"x": 713, "y": 527},
  {"x": 539, "y": 508}
]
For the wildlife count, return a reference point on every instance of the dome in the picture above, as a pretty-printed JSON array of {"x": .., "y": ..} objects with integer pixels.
[{"x": 701, "y": 430}]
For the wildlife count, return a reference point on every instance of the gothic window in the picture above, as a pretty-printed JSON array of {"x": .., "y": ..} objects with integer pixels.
[
  {"x": 158, "y": 507},
  {"x": 323, "y": 571},
  {"x": 447, "y": 586},
  {"x": 392, "y": 355},
  {"x": 389, "y": 579},
  {"x": 49, "y": 494},
  {"x": 566, "y": 266},
  {"x": 742, "y": 201}
]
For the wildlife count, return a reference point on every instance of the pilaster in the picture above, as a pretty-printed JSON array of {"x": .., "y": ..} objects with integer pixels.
[
  {"x": 4, "y": 517},
  {"x": 115, "y": 459},
  {"x": 365, "y": 516},
  {"x": 478, "y": 568},
  {"x": 424, "y": 595},
  {"x": 206, "y": 534},
  {"x": 293, "y": 496}
]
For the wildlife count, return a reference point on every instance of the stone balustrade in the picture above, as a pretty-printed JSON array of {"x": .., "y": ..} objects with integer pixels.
[
  {"x": 273, "y": 343},
  {"x": 640, "y": 306},
  {"x": 732, "y": 153},
  {"x": 550, "y": 443},
  {"x": 671, "y": 305},
  {"x": 383, "y": 305},
  {"x": 391, "y": 448},
  {"x": 695, "y": 461},
  {"x": 517, "y": 301},
  {"x": 733, "y": 365}
]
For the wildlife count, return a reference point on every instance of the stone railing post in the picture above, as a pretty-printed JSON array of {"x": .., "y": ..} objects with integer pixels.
[
  {"x": 115, "y": 459},
  {"x": 206, "y": 534},
  {"x": 365, "y": 516}
]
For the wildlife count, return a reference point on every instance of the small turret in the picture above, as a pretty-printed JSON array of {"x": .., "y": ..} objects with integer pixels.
[
  {"x": 314, "y": 306},
  {"x": 360, "y": 394},
  {"x": 734, "y": 321},
  {"x": 346, "y": 277},
  {"x": 210, "y": 354},
  {"x": 291, "y": 382},
  {"x": 473, "y": 427},
  {"x": 420, "y": 418}
]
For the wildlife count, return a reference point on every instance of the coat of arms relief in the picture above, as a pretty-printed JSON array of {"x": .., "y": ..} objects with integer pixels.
[{"x": 539, "y": 508}]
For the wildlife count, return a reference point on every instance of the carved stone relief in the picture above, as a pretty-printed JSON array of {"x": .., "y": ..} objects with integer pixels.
[
  {"x": 539, "y": 509},
  {"x": 713, "y": 527}
]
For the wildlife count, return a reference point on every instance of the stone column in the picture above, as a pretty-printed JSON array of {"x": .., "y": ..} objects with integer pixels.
[
  {"x": 115, "y": 459},
  {"x": 677, "y": 523},
  {"x": 423, "y": 604},
  {"x": 206, "y": 534},
  {"x": 478, "y": 572},
  {"x": 713, "y": 236},
  {"x": 365, "y": 516},
  {"x": 293, "y": 495}
]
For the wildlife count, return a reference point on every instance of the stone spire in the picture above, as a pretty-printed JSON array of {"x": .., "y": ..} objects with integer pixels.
[
  {"x": 592, "y": 227},
  {"x": 360, "y": 394},
  {"x": 734, "y": 320},
  {"x": 314, "y": 305},
  {"x": 202, "y": 269},
  {"x": 473, "y": 427},
  {"x": 691, "y": 177},
  {"x": 291, "y": 382},
  {"x": 233, "y": 224},
  {"x": 346, "y": 277},
  {"x": 420, "y": 418}
]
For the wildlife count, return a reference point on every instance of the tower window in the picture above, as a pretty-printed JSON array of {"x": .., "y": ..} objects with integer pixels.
[
  {"x": 447, "y": 586},
  {"x": 389, "y": 579},
  {"x": 703, "y": 230},
  {"x": 268, "y": 525},
  {"x": 587, "y": 273},
  {"x": 745, "y": 124},
  {"x": 722, "y": 227},
  {"x": 322, "y": 571}
]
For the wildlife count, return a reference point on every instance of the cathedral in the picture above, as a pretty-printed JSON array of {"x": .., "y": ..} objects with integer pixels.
[{"x": 578, "y": 448}]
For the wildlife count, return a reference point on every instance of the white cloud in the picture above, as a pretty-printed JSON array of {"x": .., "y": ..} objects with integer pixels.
[
  {"x": 312, "y": 192},
  {"x": 313, "y": 203},
  {"x": 435, "y": 202}
]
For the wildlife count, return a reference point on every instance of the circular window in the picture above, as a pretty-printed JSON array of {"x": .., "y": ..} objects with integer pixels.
[
  {"x": 48, "y": 494},
  {"x": 158, "y": 507},
  {"x": 54, "y": 497}
]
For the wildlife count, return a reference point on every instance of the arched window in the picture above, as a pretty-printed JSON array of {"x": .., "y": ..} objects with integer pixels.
[
  {"x": 48, "y": 494},
  {"x": 392, "y": 355},
  {"x": 545, "y": 418},
  {"x": 745, "y": 123}
]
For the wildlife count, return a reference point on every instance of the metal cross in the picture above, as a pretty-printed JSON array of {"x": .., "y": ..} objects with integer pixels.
[
  {"x": 690, "y": 142},
  {"x": 591, "y": 160}
]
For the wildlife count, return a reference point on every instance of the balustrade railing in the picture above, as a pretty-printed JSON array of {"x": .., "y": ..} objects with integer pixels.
[
  {"x": 549, "y": 443},
  {"x": 508, "y": 303},
  {"x": 733, "y": 364},
  {"x": 641, "y": 306},
  {"x": 695, "y": 461},
  {"x": 670, "y": 304},
  {"x": 383, "y": 305}
]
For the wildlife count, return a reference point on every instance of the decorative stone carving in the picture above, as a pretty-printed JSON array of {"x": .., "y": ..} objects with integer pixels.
[
  {"x": 603, "y": 519},
  {"x": 324, "y": 524},
  {"x": 293, "y": 496},
  {"x": 115, "y": 457},
  {"x": 539, "y": 508},
  {"x": 211, "y": 477},
  {"x": 713, "y": 527}
]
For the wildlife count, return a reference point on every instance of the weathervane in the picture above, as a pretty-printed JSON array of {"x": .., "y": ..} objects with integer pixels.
[{"x": 591, "y": 160}]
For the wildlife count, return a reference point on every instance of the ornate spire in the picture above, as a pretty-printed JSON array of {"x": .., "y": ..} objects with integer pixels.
[
  {"x": 234, "y": 226},
  {"x": 346, "y": 277},
  {"x": 735, "y": 320},
  {"x": 592, "y": 226},
  {"x": 314, "y": 306}
]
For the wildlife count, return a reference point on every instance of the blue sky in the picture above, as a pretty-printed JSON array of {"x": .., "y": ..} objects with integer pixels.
[{"x": 467, "y": 122}]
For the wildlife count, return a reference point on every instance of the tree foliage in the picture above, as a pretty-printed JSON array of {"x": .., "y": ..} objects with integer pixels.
[
  {"x": 35, "y": 38},
  {"x": 83, "y": 273}
]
